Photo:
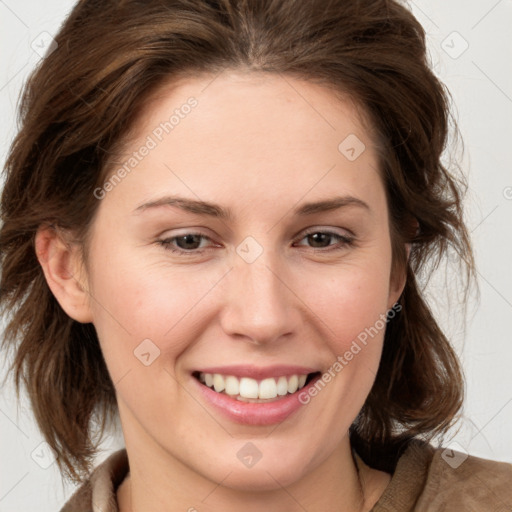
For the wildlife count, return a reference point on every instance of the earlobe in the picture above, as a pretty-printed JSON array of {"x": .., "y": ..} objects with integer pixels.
[{"x": 61, "y": 264}]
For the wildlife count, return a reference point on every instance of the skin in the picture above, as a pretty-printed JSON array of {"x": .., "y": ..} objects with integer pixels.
[{"x": 260, "y": 145}]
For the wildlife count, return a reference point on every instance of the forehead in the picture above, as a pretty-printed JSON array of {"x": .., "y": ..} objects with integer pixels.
[
  {"x": 236, "y": 99},
  {"x": 250, "y": 131}
]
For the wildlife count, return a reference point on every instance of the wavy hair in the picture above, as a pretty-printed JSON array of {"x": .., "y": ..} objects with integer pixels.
[{"x": 79, "y": 105}]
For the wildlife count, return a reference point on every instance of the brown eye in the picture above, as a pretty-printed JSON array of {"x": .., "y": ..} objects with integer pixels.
[
  {"x": 189, "y": 243},
  {"x": 321, "y": 240},
  {"x": 186, "y": 241}
]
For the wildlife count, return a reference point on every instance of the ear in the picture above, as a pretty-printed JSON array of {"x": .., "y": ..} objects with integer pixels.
[
  {"x": 397, "y": 282},
  {"x": 61, "y": 262}
]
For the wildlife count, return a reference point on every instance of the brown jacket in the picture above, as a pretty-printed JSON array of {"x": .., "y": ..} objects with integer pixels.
[{"x": 426, "y": 479}]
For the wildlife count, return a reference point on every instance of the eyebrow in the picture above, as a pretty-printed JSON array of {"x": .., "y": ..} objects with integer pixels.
[{"x": 215, "y": 210}]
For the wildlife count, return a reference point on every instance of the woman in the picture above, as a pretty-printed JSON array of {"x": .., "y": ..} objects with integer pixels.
[{"x": 168, "y": 202}]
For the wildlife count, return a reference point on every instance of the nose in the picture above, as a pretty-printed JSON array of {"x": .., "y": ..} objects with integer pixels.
[{"x": 260, "y": 305}]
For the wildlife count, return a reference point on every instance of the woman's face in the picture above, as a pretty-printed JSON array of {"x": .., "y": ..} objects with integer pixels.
[{"x": 273, "y": 288}]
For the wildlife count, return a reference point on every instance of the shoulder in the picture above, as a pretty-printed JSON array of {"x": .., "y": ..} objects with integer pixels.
[
  {"x": 440, "y": 479},
  {"x": 100, "y": 488},
  {"x": 468, "y": 482}
]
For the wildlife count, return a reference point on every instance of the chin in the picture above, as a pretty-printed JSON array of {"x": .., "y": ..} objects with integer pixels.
[
  {"x": 262, "y": 477},
  {"x": 269, "y": 470}
]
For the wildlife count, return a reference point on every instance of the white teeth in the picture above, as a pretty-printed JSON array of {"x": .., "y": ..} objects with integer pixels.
[
  {"x": 282, "y": 386},
  {"x": 218, "y": 382},
  {"x": 268, "y": 388},
  {"x": 293, "y": 383},
  {"x": 252, "y": 389},
  {"x": 232, "y": 385},
  {"x": 249, "y": 388}
]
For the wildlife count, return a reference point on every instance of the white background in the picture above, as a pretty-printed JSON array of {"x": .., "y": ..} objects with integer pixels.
[{"x": 480, "y": 80}]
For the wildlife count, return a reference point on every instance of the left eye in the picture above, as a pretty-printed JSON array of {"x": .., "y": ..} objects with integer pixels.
[
  {"x": 190, "y": 243},
  {"x": 319, "y": 236}
]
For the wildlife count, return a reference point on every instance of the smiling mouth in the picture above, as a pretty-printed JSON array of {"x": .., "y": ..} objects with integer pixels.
[{"x": 246, "y": 389}]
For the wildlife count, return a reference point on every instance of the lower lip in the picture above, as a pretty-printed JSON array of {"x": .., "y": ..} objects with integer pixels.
[{"x": 250, "y": 413}]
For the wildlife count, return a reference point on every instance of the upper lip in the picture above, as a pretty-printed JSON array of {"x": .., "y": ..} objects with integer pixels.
[{"x": 259, "y": 373}]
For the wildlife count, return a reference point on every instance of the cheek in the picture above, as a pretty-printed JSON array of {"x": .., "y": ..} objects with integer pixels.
[
  {"x": 350, "y": 300},
  {"x": 356, "y": 320},
  {"x": 134, "y": 302},
  {"x": 138, "y": 304}
]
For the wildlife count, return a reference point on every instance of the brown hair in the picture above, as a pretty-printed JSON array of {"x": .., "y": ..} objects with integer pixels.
[{"x": 79, "y": 105}]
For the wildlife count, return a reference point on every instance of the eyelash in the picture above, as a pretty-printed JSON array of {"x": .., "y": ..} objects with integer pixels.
[{"x": 346, "y": 241}]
